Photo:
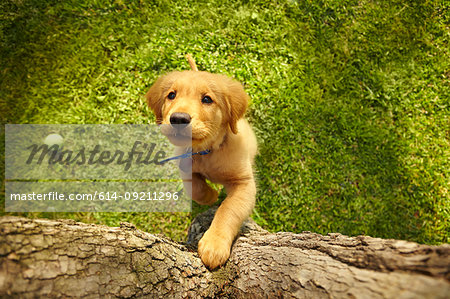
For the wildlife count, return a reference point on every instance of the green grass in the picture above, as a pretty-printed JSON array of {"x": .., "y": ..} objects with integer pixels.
[{"x": 350, "y": 99}]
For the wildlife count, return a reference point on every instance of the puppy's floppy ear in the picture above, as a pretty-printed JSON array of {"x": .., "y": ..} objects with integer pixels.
[
  {"x": 237, "y": 102},
  {"x": 157, "y": 93}
]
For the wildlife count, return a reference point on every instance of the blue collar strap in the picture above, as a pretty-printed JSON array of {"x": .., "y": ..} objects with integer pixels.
[{"x": 186, "y": 155}]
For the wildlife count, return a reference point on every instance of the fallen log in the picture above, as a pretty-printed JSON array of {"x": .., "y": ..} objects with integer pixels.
[{"x": 64, "y": 258}]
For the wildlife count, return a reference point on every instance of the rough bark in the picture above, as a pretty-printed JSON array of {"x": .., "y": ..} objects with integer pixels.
[{"x": 47, "y": 258}]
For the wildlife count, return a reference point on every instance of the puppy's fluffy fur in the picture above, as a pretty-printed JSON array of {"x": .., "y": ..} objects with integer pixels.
[{"x": 220, "y": 127}]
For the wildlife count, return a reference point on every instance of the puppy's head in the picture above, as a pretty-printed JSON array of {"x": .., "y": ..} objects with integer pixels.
[{"x": 197, "y": 106}]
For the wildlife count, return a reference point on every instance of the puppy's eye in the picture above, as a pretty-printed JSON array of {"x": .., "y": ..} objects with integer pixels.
[
  {"x": 171, "y": 95},
  {"x": 207, "y": 100}
]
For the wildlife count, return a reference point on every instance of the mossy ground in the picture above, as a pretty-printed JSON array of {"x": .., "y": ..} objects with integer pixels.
[{"x": 350, "y": 99}]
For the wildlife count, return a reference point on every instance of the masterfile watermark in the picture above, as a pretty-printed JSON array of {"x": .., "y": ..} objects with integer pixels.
[
  {"x": 140, "y": 153},
  {"x": 92, "y": 168}
]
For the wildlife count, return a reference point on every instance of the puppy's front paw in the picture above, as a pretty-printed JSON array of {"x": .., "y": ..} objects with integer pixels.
[
  {"x": 211, "y": 197},
  {"x": 204, "y": 196},
  {"x": 214, "y": 249}
]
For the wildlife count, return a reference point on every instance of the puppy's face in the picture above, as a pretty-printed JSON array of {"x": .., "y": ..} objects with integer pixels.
[{"x": 196, "y": 106}]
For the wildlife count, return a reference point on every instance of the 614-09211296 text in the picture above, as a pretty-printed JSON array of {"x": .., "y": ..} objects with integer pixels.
[{"x": 128, "y": 195}]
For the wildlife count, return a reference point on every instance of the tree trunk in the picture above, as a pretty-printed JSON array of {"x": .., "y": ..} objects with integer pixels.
[{"x": 62, "y": 258}]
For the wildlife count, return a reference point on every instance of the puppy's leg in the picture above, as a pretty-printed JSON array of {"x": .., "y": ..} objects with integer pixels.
[
  {"x": 214, "y": 247},
  {"x": 200, "y": 191}
]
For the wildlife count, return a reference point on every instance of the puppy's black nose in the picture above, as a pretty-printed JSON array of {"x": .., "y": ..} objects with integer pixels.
[{"x": 180, "y": 118}]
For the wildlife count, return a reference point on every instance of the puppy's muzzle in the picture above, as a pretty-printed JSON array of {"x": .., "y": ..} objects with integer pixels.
[
  {"x": 179, "y": 131},
  {"x": 180, "y": 119}
]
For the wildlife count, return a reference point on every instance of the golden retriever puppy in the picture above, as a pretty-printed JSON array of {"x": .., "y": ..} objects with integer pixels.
[{"x": 210, "y": 109}]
